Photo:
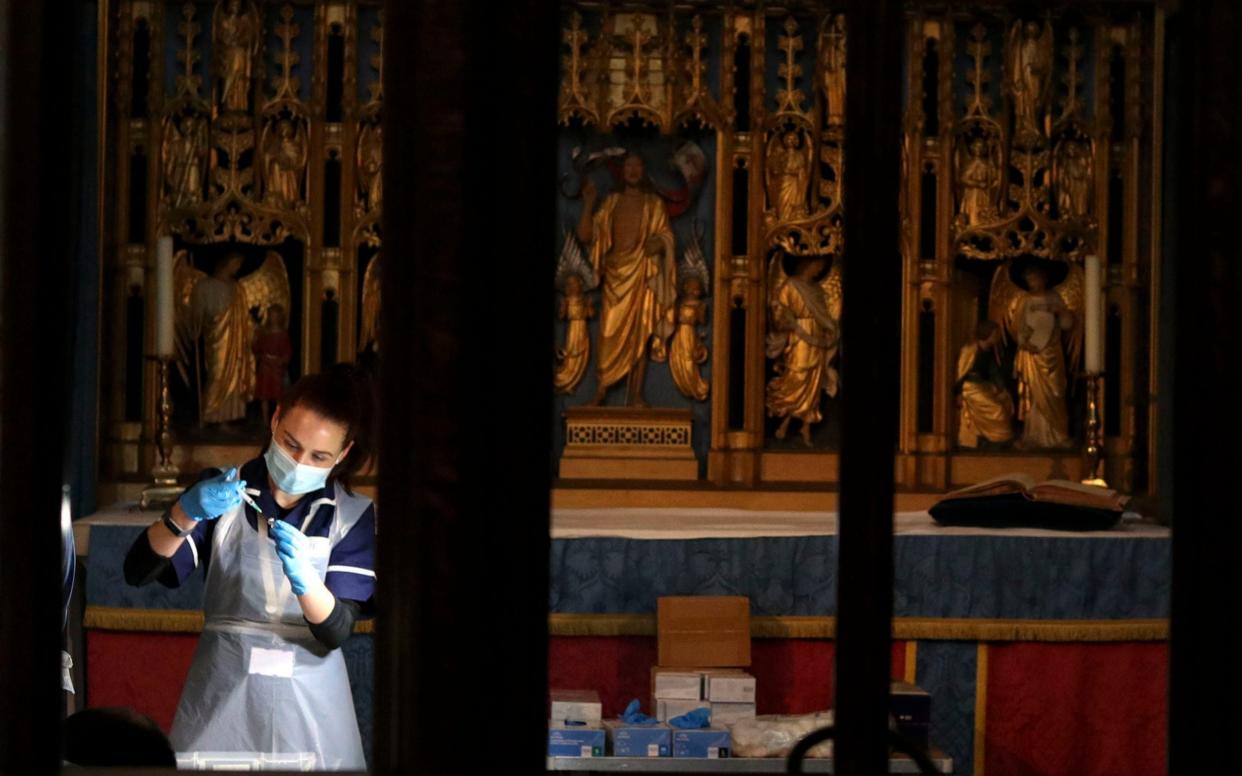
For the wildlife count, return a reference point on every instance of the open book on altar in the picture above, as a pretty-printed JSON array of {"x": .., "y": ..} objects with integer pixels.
[{"x": 1018, "y": 500}]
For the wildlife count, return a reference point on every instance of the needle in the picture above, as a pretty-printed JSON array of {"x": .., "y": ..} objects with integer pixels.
[{"x": 245, "y": 494}]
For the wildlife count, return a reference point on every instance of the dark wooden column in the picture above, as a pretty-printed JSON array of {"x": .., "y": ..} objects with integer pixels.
[
  {"x": 37, "y": 223},
  {"x": 466, "y": 349},
  {"x": 1205, "y": 167},
  {"x": 870, "y": 368}
]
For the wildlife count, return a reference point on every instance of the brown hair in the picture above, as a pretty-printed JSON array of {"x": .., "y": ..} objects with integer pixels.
[{"x": 342, "y": 394}]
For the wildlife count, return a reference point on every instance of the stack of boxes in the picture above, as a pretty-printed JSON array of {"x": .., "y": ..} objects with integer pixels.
[
  {"x": 728, "y": 692},
  {"x": 731, "y": 694},
  {"x": 703, "y": 645},
  {"x": 704, "y": 648}
]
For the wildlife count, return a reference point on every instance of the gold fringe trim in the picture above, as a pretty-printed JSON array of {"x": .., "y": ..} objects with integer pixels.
[
  {"x": 118, "y": 618},
  {"x": 603, "y": 625},
  {"x": 912, "y": 662},
  {"x": 147, "y": 620},
  {"x": 981, "y": 707},
  {"x": 904, "y": 628},
  {"x": 791, "y": 627},
  {"x": 938, "y": 629}
]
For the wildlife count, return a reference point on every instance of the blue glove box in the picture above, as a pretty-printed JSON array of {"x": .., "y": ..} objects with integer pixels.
[
  {"x": 626, "y": 740},
  {"x": 575, "y": 741},
  {"x": 705, "y": 742}
]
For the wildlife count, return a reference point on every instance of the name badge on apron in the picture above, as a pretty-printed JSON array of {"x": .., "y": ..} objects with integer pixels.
[{"x": 271, "y": 662}]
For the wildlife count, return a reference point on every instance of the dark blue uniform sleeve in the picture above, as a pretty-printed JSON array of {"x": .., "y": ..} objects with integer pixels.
[
  {"x": 143, "y": 565},
  {"x": 351, "y": 566}
]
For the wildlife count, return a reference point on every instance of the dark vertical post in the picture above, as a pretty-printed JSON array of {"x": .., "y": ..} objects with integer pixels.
[
  {"x": 1206, "y": 94},
  {"x": 36, "y": 265},
  {"x": 870, "y": 331},
  {"x": 465, "y": 365}
]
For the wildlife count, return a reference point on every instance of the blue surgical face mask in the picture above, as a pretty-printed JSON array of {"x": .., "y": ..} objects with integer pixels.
[{"x": 292, "y": 477}]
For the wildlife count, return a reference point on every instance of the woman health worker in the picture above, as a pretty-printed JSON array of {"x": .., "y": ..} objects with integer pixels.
[{"x": 268, "y": 681}]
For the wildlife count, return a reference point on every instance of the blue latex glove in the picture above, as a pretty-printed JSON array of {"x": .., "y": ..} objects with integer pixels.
[
  {"x": 208, "y": 499},
  {"x": 633, "y": 715},
  {"x": 692, "y": 720},
  {"x": 294, "y": 550}
]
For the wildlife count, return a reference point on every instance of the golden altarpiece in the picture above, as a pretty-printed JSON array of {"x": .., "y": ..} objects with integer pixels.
[
  {"x": 699, "y": 253},
  {"x": 1028, "y": 188},
  {"x": 249, "y": 133}
]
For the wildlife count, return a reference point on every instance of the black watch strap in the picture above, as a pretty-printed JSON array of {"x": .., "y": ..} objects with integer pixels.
[{"x": 172, "y": 526}]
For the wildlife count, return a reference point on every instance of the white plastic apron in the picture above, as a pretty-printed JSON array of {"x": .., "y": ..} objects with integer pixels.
[{"x": 262, "y": 692}]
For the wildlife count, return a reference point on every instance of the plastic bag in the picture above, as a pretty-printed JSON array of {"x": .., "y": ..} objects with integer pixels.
[{"x": 775, "y": 735}]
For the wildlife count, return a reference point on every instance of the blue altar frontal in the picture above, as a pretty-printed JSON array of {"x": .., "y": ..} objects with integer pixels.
[{"x": 619, "y": 561}]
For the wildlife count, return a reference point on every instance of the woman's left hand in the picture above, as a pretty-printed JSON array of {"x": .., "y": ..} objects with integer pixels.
[{"x": 294, "y": 550}]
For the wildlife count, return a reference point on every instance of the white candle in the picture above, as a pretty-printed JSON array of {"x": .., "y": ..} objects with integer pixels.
[
  {"x": 164, "y": 314},
  {"x": 1095, "y": 343}
]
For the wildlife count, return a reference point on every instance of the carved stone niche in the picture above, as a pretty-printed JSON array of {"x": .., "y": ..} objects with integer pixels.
[{"x": 283, "y": 153}]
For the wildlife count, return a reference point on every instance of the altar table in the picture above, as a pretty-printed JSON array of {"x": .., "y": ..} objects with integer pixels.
[{"x": 1044, "y": 651}]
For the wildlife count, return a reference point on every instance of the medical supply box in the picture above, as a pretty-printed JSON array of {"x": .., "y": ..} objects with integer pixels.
[
  {"x": 575, "y": 740},
  {"x": 725, "y": 714},
  {"x": 676, "y": 684},
  {"x": 728, "y": 686},
  {"x": 703, "y": 631},
  {"x": 711, "y": 743},
  {"x": 667, "y": 709},
  {"x": 575, "y": 706},
  {"x": 626, "y": 740}
]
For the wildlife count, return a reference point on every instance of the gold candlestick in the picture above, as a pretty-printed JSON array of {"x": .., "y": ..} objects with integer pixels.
[
  {"x": 164, "y": 492},
  {"x": 1093, "y": 468}
]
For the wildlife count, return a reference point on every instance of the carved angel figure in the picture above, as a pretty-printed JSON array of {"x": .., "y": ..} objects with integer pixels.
[
  {"x": 1030, "y": 68},
  {"x": 803, "y": 335},
  {"x": 985, "y": 406},
  {"x": 687, "y": 349},
  {"x": 284, "y": 150},
  {"x": 1072, "y": 177},
  {"x": 184, "y": 158},
  {"x": 368, "y": 329},
  {"x": 237, "y": 33},
  {"x": 371, "y": 166},
  {"x": 574, "y": 276},
  {"x": 978, "y": 181},
  {"x": 1046, "y": 323},
  {"x": 788, "y": 171},
  {"x": 213, "y": 314}
]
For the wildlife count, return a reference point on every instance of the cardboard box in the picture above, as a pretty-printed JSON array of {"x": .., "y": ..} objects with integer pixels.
[
  {"x": 676, "y": 684},
  {"x": 728, "y": 687},
  {"x": 638, "y": 740},
  {"x": 667, "y": 709},
  {"x": 706, "y": 742},
  {"x": 575, "y": 740},
  {"x": 725, "y": 714},
  {"x": 911, "y": 709},
  {"x": 703, "y": 631},
  {"x": 575, "y": 706}
]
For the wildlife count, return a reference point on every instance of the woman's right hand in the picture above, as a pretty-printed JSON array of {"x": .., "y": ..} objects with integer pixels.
[{"x": 210, "y": 498}]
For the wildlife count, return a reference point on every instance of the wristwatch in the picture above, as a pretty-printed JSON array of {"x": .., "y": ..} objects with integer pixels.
[{"x": 171, "y": 525}]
